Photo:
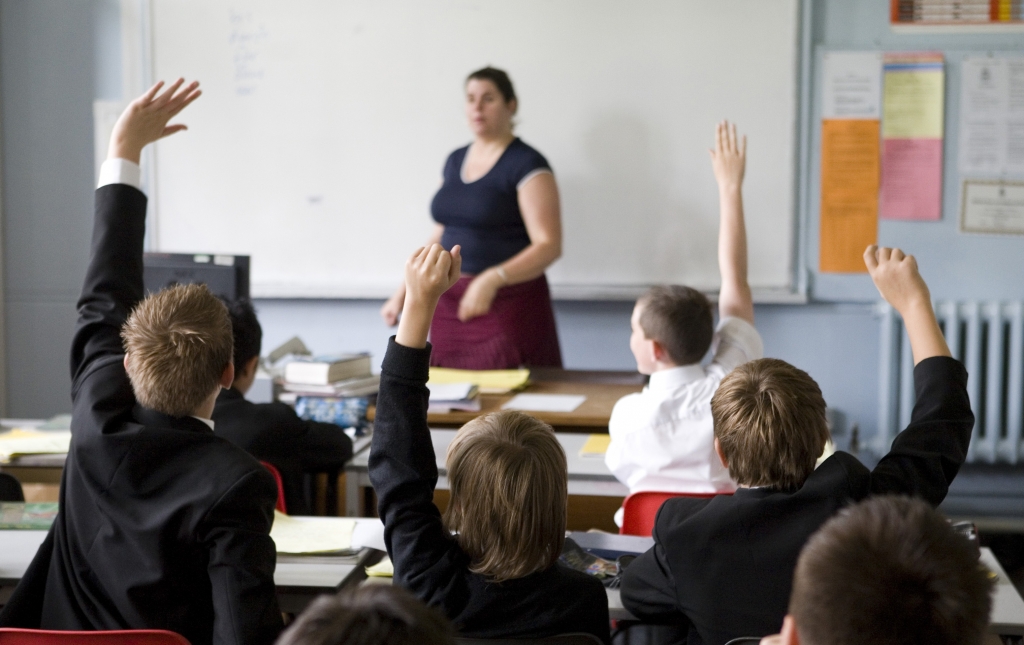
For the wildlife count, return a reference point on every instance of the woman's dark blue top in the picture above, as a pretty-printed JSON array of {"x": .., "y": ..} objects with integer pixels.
[{"x": 483, "y": 215}]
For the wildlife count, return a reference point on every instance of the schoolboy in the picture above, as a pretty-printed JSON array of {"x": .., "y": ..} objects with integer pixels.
[
  {"x": 661, "y": 438},
  {"x": 162, "y": 524},
  {"x": 888, "y": 571},
  {"x": 724, "y": 566},
  {"x": 272, "y": 432},
  {"x": 491, "y": 564},
  {"x": 369, "y": 615}
]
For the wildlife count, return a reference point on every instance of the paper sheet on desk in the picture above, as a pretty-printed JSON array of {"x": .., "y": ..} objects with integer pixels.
[
  {"x": 489, "y": 381},
  {"x": 19, "y": 442},
  {"x": 545, "y": 402},
  {"x": 298, "y": 535}
]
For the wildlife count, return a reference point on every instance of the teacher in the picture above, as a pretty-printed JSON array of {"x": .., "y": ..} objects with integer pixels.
[{"x": 499, "y": 201}]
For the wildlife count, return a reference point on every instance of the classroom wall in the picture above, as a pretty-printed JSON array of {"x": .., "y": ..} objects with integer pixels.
[{"x": 56, "y": 56}]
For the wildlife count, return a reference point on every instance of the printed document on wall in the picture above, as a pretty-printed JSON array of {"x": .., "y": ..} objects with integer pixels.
[
  {"x": 992, "y": 116},
  {"x": 852, "y": 85}
]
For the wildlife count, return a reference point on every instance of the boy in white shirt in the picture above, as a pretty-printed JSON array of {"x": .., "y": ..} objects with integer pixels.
[{"x": 661, "y": 438}]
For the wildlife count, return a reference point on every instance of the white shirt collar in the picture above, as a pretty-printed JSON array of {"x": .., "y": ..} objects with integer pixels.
[
  {"x": 676, "y": 377},
  {"x": 208, "y": 422}
]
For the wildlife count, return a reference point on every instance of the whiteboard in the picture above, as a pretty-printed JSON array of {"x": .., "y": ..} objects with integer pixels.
[{"x": 324, "y": 125}]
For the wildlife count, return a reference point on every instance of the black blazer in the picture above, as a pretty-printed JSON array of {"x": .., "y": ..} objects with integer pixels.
[
  {"x": 724, "y": 566},
  {"x": 428, "y": 561},
  {"x": 162, "y": 524},
  {"x": 272, "y": 432}
]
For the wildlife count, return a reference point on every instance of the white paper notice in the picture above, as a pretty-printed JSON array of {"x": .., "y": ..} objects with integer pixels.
[
  {"x": 993, "y": 207},
  {"x": 545, "y": 402},
  {"x": 992, "y": 116},
  {"x": 852, "y": 85}
]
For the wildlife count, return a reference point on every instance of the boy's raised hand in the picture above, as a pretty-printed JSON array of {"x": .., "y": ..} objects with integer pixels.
[
  {"x": 896, "y": 276},
  {"x": 428, "y": 273},
  {"x": 145, "y": 119},
  {"x": 729, "y": 157}
]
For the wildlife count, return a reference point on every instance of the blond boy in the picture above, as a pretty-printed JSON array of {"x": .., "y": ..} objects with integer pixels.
[
  {"x": 661, "y": 438},
  {"x": 162, "y": 524}
]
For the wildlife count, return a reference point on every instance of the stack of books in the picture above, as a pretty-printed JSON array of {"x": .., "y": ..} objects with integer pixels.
[{"x": 331, "y": 389}]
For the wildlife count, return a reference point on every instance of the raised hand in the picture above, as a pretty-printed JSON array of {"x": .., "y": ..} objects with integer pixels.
[
  {"x": 145, "y": 119},
  {"x": 729, "y": 157},
  {"x": 428, "y": 273}
]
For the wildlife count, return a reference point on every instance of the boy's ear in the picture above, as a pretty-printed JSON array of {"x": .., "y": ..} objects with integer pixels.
[
  {"x": 721, "y": 454},
  {"x": 227, "y": 377},
  {"x": 127, "y": 363},
  {"x": 658, "y": 350},
  {"x": 789, "y": 635}
]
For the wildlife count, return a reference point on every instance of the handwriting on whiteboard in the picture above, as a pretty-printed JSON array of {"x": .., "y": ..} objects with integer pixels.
[{"x": 247, "y": 39}]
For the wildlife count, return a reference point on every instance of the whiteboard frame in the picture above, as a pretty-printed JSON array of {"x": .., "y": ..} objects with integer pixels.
[{"x": 138, "y": 74}]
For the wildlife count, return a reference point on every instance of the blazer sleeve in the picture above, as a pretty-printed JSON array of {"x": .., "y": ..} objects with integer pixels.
[
  {"x": 927, "y": 455},
  {"x": 403, "y": 473},
  {"x": 113, "y": 281},
  {"x": 293, "y": 442},
  {"x": 236, "y": 532},
  {"x": 648, "y": 588}
]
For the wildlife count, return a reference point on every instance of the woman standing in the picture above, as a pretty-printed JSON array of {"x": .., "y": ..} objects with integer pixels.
[{"x": 499, "y": 201}]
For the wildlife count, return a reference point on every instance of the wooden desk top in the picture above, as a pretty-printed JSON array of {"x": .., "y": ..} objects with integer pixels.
[{"x": 602, "y": 389}]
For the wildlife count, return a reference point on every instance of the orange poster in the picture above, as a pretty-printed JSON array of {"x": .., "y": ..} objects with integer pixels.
[{"x": 849, "y": 192}]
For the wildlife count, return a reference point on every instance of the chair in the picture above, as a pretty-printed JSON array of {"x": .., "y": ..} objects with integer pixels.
[
  {"x": 10, "y": 489},
  {"x": 16, "y": 636},
  {"x": 281, "y": 506},
  {"x": 640, "y": 509},
  {"x": 561, "y": 639}
]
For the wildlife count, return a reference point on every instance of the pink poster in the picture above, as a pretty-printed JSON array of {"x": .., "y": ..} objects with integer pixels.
[{"x": 911, "y": 179}]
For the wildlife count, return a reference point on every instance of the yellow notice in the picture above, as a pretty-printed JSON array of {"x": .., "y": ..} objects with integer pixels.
[
  {"x": 596, "y": 445},
  {"x": 913, "y": 90},
  {"x": 306, "y": 535},
  {"x": 849, "y": 193},
  {"x": 487, "y": 381}
]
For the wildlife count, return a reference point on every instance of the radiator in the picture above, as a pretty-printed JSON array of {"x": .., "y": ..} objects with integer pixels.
[{"x": 988, "y": 337}]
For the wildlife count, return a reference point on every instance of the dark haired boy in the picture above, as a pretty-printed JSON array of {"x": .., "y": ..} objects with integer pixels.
[
  {"x": 722, "y": 568},
  {"x": 888, "y": 571},
  {"x": 272, "y": 432},
  {"x": 661, "y": 438}
]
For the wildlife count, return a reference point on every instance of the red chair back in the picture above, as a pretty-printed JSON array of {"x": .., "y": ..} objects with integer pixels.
[
  {"x": 280, "y": 486},
  {"x": 15, "y": 636},
  {"x": 640, "y": 509}
]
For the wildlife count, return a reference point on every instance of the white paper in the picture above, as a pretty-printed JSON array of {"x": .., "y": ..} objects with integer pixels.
[
  {"x": 294, "y": 534},
  {"x": 992, "y": 116},
  {"x": 450, "y": 391},
  {"x": 852, "y": 87},
  {"x": 993, "y": 207},
  {"x": 545, "y": 402}
]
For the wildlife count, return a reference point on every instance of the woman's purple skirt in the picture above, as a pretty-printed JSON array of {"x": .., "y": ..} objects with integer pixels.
[{"x": 519, "y": 330}]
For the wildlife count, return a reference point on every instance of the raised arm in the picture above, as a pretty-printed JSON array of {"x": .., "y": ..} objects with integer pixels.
[
  {"x": 113, "y": 281},
  {"x": 729, "y": 160}
]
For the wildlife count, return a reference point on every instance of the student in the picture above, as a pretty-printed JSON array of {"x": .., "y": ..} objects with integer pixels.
[
  {"x": 888, "y": 571},
  {"x": 369, "y": 615},
  {"x": 491, "y": 564},
  {"x": 272, "y": 432},
  {"x": 724, "y": 566},
  {"x": 661, "y": 438},
  {"x": 162, "y": 524}
]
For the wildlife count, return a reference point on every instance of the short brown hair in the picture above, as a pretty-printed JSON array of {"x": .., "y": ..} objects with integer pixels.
[
  {"x": 508, "y": 479},
  {"x": 769, "y": 419},
  {"x": 887, "y": 571},
  {"x": 369, "y": 615},
  {"x": 178, "y": 342},
  {"x": 679, "y": 318}
]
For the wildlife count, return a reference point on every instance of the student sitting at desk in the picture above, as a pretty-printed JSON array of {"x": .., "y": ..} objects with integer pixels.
[
  {"x": 661, "y": 438},
  {"x": 491, "y": 564},
  {"x": 272, "y": 432},
  {"x": 162, "y": 524},
  {"x": 888, "y": 571},
  {"x": 723, "y": 567}
]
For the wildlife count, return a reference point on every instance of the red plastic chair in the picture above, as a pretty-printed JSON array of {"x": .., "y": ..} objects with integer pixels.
[
  {"x": 15, "y": 636},
  {"x": 640, "y": 509},
  {"x": 280, "y": 486}
]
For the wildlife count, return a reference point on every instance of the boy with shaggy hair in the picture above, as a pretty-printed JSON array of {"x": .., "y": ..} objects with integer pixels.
[
  {"x": 723, "y": 567},
  {"x": 661, "y": 438},
  {"x": 888, "y": 571},
  {"x": 162, "y": 524},
  {"x": 491, "y": 563}
]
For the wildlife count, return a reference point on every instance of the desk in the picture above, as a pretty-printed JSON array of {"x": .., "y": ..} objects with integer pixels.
[
  {"x": 602, "y": 389},
  {"x": 587, "y": 476}
]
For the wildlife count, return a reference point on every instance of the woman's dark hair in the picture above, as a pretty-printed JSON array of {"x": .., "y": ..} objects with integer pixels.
[{"x": 499, "y": 78}]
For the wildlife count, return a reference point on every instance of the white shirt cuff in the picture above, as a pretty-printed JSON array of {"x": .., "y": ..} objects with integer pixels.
[{"x": 120, "y": 171}]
